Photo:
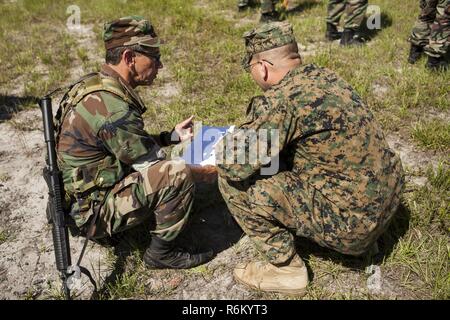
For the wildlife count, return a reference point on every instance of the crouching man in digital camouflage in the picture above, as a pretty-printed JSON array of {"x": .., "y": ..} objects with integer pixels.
[{"x": 338, "y": 183}]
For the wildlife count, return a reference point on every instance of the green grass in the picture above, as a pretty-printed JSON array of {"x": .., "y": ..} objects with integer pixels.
[
  {"x": 82, "y": 54},
  {"x": 434, "y": 134},
  {"x": 127, "y": 286},
  {"x": 421, "y": 262},
  {"x": 4, "y": 177},
  {"x": 421, "y": 257},
  {"x": 33, "y": 46},
  {"x": 3, "y": 236},
  {"x": 202, "y": 57},
  {"x": 430, "y": 204}
]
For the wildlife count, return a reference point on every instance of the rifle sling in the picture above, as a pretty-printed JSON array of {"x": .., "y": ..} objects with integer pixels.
[{"x": 90, "y": 231}]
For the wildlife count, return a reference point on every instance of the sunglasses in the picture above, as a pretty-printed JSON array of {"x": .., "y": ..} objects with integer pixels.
[{"x": 154, "y": 56}]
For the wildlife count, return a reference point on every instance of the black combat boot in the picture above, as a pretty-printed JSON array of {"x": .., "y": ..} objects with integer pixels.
[
  {"x": 415, "y": 53},
  {"x": 332, "y": 32},
  {"x": 437, "y": 64},
  {"x": 269, "y": 17},
  {"x": 350, "y": 38},
  {"x": 163, "y": 254}
]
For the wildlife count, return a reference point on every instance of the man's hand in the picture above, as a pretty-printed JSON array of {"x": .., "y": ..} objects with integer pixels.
[
  {"x": 184, "y": 129},
  {"x": 205, "y": 174}
]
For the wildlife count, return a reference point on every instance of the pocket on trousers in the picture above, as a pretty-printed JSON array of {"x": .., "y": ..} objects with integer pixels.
[{"x": 125, "y": 195}]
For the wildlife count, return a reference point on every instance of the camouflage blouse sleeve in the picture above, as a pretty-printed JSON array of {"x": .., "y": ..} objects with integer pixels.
[
  {"x": 124, "y": 136},
  {"x": 258, "y": 140}
]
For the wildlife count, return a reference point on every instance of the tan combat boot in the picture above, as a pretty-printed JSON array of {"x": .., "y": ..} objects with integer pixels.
[{"x": 290, "y": 279}]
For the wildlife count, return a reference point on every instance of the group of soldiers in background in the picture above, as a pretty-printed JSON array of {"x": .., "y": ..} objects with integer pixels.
[{"x": 430, "y": 34}]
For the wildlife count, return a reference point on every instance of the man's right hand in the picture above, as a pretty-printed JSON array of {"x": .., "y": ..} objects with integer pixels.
[{"x": 184, "y": 129}]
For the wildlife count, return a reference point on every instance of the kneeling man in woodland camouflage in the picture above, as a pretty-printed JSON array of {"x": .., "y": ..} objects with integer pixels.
[
  {"x": 338, "y": 183},
  {"x": 115, "y": 173}
]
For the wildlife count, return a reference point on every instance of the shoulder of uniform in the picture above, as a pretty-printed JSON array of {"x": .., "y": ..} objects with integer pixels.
[
  {"x": 102, "y": 108},
  {"x": 104, "y": 103},
  {"x": 97, "y": 83},
  {"x": 260, "y": 102}
]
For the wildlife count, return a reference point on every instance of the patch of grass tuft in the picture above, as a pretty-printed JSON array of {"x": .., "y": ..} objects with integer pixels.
[
  {"x": 433, "y": 135},
  {"x": 3, "y": 236},
  {"x": 128, "y": 285}
]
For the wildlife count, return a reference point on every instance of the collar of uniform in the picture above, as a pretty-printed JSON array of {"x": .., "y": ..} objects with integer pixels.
[
  {"x": 109, "y": 72},
  {"x": 303, "y": 68}
]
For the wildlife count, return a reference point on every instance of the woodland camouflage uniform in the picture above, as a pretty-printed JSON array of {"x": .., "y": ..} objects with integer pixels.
[
  {"x": 109, "y": 162},
  {"x": 432, "y": 29},
  {"x": 339, "y": 182},
  {"x": 353, "y": 9},
  {"x": 267, "y": 6}
]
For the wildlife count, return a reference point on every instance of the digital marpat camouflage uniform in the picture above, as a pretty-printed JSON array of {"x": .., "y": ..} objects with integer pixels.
[
  {"x": 109, "y": 162},
  {"x": 354, "y": 11},
  {"x": 339, "y": 183},
  {"x": 432, "y": 29}
]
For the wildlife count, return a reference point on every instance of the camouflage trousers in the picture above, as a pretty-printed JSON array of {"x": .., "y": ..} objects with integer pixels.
[
  {"x": 354, "y": 10},
  {"x": 163, "y": 193},
  {"x": 271, "y": 211},
  {"x": 267, "y": 6},
  {"x": 432, "y": 29}
]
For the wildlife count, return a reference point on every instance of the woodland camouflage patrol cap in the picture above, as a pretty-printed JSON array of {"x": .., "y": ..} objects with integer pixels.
[{"x": 129, "y": 31}]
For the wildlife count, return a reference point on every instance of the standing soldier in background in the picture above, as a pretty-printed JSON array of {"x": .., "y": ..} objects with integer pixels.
[
  {"x": 115, "y": 173},
  {"x": 431, "y": 34},
  {"x": 354, "y": 11},
  {"x": 268, "y": 12},
  {"x": 338, "y": 182}
]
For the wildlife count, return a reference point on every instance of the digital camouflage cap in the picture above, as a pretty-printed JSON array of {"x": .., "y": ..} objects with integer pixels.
[
  {"x": 268, "y": 36},
  {"x": 128, "y": 31}
]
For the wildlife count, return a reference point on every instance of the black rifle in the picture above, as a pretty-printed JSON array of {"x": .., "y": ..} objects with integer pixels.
[
  {"x": 55, "y": 209},
  {"x": 70, "y": 274}
]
